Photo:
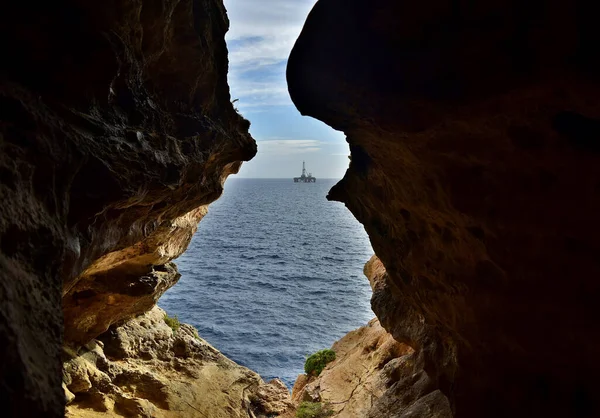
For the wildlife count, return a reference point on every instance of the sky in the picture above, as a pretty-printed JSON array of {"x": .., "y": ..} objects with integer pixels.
[{"x": 261, "y": 36}]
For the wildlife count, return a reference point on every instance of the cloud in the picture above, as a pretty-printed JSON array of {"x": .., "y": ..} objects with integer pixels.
[
  {"x": 257, "y": 52},
  {"x": 266, "y": 18},
  {"x": 262, "y": 34},
  {"x": 254, "y": 93},
  {"x": 282, "y": 158},
  {"x": 288, "y": 146}
]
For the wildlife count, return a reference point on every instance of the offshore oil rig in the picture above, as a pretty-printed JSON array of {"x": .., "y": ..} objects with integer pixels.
[{"x": 305, "y": 178}]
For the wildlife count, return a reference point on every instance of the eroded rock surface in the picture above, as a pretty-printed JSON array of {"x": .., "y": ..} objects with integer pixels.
[
  {"x": 145, "y": 369},
  {"x": 127, "y": 282},
  {"x": 116, "y": 129},
  {"x": 372, "y": 376},
  {"x": 473, "y": 130}
]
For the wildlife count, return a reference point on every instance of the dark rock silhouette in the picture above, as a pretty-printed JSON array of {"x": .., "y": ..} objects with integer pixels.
[
  {"x": 480, "y": 193},
  {"x": 116, "y": 121}
]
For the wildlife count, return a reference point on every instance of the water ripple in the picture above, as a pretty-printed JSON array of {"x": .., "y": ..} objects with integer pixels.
[{"x": 274, "y": 274}]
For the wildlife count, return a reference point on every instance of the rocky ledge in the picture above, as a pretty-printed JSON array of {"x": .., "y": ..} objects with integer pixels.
[{"x": 146, "y": 368}]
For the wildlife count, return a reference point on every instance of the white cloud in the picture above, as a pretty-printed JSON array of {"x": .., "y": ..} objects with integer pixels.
[
  {"x": 266, "y": 49},
  {"x": 259, "y": 93},
  {"x": 265, "y": 30},
  {"x": 288, "y": 146},
  {"x": 260, "y": 18},
  {"x": 261, "y": 36}
]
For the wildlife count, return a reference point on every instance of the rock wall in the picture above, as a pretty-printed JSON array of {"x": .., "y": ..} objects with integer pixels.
[
  {"x": 368, "y": 363},
  {"x": 116, "y": 130},
  {"x": 144, "y": 368},
  {"x": 475, "y": 169}
]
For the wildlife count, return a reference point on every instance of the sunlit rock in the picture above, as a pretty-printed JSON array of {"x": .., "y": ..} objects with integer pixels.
[
  {"x": 363, "y": 379},
  {"x": 146, "y": 368}
]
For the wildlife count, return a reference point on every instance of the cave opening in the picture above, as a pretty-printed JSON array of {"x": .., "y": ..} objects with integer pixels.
[
  {"x": 274, "y": 272},
  {"x": 472, "y": 129}
]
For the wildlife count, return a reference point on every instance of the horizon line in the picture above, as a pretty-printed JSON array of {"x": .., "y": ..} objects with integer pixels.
[{"x": 277, "y": 178}]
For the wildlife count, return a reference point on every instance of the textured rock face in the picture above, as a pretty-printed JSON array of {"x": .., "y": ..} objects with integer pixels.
[
  {"x": 127, "y": 282},
  {"x": 145, "y": 369},
  {"x": 368, "y": 365},
  {"x": 473, "y": 130},
  {"x": 116, "y": 126}
]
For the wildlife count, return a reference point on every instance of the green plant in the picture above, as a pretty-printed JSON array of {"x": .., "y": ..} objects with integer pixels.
[
  {"x": 313, "y": 410},
  {"x": 173, "y": 322},
  {"x": 316, "y": 362}
]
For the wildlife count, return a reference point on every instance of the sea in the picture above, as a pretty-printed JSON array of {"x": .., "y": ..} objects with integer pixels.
[{"x": 274, "y": 273}]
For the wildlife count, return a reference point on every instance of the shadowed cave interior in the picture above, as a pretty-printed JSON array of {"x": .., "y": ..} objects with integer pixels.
[{"x": 473, "y": 132}]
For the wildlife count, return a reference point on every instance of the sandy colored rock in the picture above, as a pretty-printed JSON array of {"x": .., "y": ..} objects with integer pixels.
[
  {"x": 299, "y": 385},
  {"x": 127, "y": 282},
  {"x": 108, "y": 297},
  {"x": 475, "y": 168},
  {"x": 272, "y": 399},
  {"x": 366, "y": 366},
  {"x": 143, "y": 368}
]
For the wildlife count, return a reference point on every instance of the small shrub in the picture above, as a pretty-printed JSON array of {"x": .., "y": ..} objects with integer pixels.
[
  {"x": 313, "y": 410},
  {"x": 316, "y": 363},
  {"x": 173, "y": 322}
]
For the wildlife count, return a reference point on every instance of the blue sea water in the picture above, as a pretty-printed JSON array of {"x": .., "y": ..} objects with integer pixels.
[{"x": 273, "y": 274}]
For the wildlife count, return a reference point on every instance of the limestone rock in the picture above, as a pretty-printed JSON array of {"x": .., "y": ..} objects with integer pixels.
[
  {"x": 144, "y": 368},
  {"x": 127, "y": 282},
  {"x": 300, "y": 383},
  {"x": 273, "y": 399},
  {"x": 369, "y": 362},
  {"x": 475, "y": 169},
  {"x": 311, "y": 392},
  {"x": 69, "y": 396},
  {"x": 116, "y": 131}
]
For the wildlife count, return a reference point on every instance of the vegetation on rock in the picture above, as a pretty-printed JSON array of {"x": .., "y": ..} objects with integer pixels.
[
  {"x": 313, "y": 410},
  {"x": 173, "y": 322},
  {"x": 316, "y": 362}
]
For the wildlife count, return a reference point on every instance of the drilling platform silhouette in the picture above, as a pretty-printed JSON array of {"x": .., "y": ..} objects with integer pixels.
[{"x": 305, "y": 178}]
